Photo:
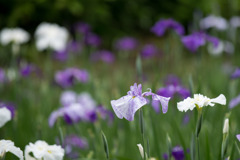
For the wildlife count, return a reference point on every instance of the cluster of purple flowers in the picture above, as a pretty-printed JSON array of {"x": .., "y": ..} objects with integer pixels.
[
  {"x": 67, "y": 77},
  {"x": 77, "y": 108},
  {"x": 126, "y": 44}
]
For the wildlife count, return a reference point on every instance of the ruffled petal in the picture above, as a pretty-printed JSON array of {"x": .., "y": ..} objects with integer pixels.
[
  {"x": 186, "y": 105},
  {"x": 127, "y": 106}
]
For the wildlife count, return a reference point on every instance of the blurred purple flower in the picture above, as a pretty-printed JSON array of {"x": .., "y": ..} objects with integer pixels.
[
  {"x": 134, "y": 100},
  {"x": 2, "y": 76},
  {"x": 10, "y": 107},
  {"x": 72, "y": 145},
  {"x": 126, "y": 44},
  {"x": 173, "y": 86},
  {"x": 161, "y": 26},
  {"x": 178, "y": 153},
  {"x": 61, "y": 55},
  {"x": 67, "y": 77},
  {"x": 193, "y": 41},
  {"x": 148, "y": 51},
  {"x": 234, "y": 102},
  {"x": 83, "y": 27},
  {"x": 103, "y": 55},
  {"x": 27, "y": 69},
  {"x": 105, "y": 114},
  {"x": 92, "y": 39},
  {"x": 79, "y": 108},
  {"x": 236, "y": 73},
  {"x": 74, "y": 46},
  {"x": 186, "y": 119}
]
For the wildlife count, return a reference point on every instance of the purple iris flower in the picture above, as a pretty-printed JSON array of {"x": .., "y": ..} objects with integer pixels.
[
  {"x": 134, "y": 100},
  {"x": 74, "y": 46},
  {"x": 68, "y": 76},
  {"x": 10, "y": 107},
  {"x": 149, "y": 50},
  {"x": 236, "y": 73},
  {"x": 92, "y": 39},
  {"x": 2, "y": 76},
  {"x": 234, "y": 102},
  {"x": 103, "y": 55},
  {"x": 126, "y": 44},
  {"x": 178, "y": 153},
  {"x": 162, "y": 25},
  {"x": 173, "y": 86},
  {"x": 193, "y": 41}
]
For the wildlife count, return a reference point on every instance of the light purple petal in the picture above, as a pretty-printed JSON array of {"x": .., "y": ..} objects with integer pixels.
[
  {"x": 236, "y": 74},
  {"x": 234, "y": 102},
  {"x": 54, "y": 116},
  {"x": 163, "y": 100},
  {"x": 238, "y": 137},
  {"x": 127, "y": 106}
]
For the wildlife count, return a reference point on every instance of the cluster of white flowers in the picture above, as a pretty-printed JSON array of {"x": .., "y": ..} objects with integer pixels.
[
  {"x": 47, "y": 36},
  {"x": 200, "y": 101},
  {"x": 51, "y": 36},
  {"x": 14, "y": 35},
  {"x": 219, "y": 23},
  {"x": 40, "y": 150}
]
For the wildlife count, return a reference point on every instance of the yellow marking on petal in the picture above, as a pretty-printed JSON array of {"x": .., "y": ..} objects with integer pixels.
[
  {"x": 49, "y": 151},
  {"x": 133, "y": 96}
]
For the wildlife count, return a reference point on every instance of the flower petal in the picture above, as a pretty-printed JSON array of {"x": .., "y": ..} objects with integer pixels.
[
  {"x": 5, "y": 116},
  {"x": 163, "y": 100},
  {"x": 238, "y": 137},
  {"x": 221, "y": 99},
  {"x": 127, "y": 106}
]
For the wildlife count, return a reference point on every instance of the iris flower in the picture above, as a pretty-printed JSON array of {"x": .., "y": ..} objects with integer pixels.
[
  {"x": 41, "y": 150},
  {"x": 134, "y": 100},
  {"x": 199, "y": 101},
  {"x": 8, "y": 146}
]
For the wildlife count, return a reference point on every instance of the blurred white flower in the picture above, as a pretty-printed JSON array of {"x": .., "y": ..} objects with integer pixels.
[
  {"x": 216, "y": 50},
  {"x": 212, "y": 21},
  {"x": 14, "y": 35},
  {"x": 223, "y": 46},
  {"x": 235, "y": 22},
  {"x": 41, "y": 150},
  {"x": 199, "y": 101},
  {"x": 51, "y": 36},
  {"x": 5, "y": 116},
  {"x": 8, "y": 146},
  {"x": 226, "y": 126}
]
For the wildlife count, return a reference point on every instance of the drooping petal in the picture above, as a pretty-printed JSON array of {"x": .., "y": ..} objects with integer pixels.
[
  {"x": 221, "y": 99},
  {"x": 8, "y": 146},
  {"x": 163, "y": 100},
  {"x": 54, "y": 116},
  {"x": 127, "y": 106}
]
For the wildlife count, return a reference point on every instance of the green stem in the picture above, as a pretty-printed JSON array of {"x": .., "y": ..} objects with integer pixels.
[
  {"x": 142, "y": 132},
  {"x": 198, "y": 148}
]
